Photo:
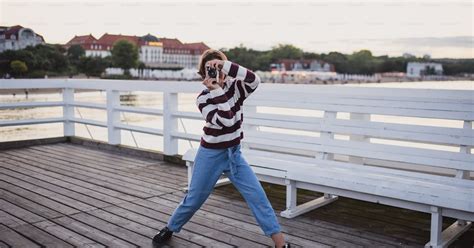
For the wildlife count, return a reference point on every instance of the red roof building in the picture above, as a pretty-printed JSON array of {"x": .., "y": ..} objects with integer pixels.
[
  {"x": 18, "y": 37},
  {"x": 154, "y": 52}
]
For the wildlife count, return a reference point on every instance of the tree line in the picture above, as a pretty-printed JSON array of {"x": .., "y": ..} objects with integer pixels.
[
  {"x": 359, "y": 62},
  {"x": 55, "y": 60}
]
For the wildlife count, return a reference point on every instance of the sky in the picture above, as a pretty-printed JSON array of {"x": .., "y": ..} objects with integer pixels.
[{"x": 438, "y": 28}]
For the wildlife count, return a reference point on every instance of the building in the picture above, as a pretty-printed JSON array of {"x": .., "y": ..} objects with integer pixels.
[
  {"x": 183, "y": 54},
  {"x": 416, "y": 69},
  {"x": 302, "y": 65},
  {"x": 18, "y": 37},
  {"x": 154, "y": 52}
]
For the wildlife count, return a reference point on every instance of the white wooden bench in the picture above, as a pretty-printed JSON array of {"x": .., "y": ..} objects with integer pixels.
[{"x": 408, "y": 148}]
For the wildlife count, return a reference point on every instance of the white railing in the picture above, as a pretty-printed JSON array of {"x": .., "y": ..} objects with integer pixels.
[
  {"x": 331, "y": 99},
  {"x": 169, "y": 113}
]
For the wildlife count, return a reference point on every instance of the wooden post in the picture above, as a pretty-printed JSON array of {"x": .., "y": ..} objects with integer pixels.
[
  {"x": 464, "y": 174},
  {"x": 170, "y": 123},
  {"x": 68, "y": 112},
  {"x": 467, "y": 125},
  {"x": 436, "y": 227},
  {"x": 325, "y": 135},
  {"x": 290, "y": 194},
  {"x": 355, "y": 137},
  {"x": 113, "y": 117}
]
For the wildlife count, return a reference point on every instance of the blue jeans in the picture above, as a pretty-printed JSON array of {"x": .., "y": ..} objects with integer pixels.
[{"x": 209, "y": 164}]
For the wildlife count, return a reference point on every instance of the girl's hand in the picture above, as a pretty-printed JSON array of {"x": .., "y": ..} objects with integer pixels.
[
  {"x": 216, "y": 63},
  {"x": 208, "y": 82}
]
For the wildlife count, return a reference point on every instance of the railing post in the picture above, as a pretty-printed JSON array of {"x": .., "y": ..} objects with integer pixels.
[
  {"x": 113, "y": 116},
  {"x": 68, "y": 112},
  {"x": 170, "y": 123},
  {"x": 354, "y": 137}
]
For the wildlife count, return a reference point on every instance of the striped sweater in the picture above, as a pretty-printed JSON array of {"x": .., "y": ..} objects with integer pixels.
[{"x": 222, "y": 107}]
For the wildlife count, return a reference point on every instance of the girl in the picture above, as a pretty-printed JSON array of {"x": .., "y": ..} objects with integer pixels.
[{"x": 219, "y": 150}]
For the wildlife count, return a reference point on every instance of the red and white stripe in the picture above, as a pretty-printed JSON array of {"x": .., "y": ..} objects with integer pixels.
[{"x": 222, "y": 107}]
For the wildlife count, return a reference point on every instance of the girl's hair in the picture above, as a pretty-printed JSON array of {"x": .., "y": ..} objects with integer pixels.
[{"x": 208, "y": 55}]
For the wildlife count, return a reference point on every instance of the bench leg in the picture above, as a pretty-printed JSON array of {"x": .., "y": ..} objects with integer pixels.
[
  {"x": 440, "y": 238},
  {"x": 190, "y": 166},
  {"x": 293, "y": 210}
]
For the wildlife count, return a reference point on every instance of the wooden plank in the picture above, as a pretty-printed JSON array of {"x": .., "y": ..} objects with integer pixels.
[
  {"x": 77, "y": 174},
  {"x": 112, "y": 158},
  {"x": 146, "y": 225},
  {"x": 88, "y": 199},
  {"x": 116, "y": 230},
  {"x": 20, "y": 213},
  {"x": 29, "y": 204},
  {"x": 157, "y": 167},
  {"x": 32, "y": 233},
  {"x": 369, "y": 169},
  {"x": 14, "y": 239},
  {"x": 136, "y": 173},
  {"x": 123, "y": 181},
  {"x": 222, "y": 224},
  {"x": 413, "y": 103},
  {"x": 59, "y": 197},
  {"x": 59, "y": 183},
  {"x": 67, "y": 235},
  {"x": 427, "y": 113},
  {"x": 409, "y": 132},
  {"x": 39, "y": 199},
  {"x": 65, "y": 178},
  {"x": 192, "y": 232},
  {"x": 315, "y": 238},
  {"x": 92, "y": 232},
  {"x": 350, "y": 221},
  {"x": 3, "y": 244},
  {"x": 6, "y": 208},
  {"x": 382, "y": 186},
  {"x": 443, "y": 159}
]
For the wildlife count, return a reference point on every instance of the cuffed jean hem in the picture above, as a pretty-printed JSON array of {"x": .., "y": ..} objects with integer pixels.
[
  {"x": 274, "y": 231},
  {"x": 173, "y": 230}
]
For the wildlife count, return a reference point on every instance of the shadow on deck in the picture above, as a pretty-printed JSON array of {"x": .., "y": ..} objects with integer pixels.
[{"x": 66, "y": 194}]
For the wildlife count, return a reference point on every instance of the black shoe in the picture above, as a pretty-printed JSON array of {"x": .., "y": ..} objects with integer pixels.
[
  {"x": 161, "y": 237},
  {"x": 287, "y": 245}
]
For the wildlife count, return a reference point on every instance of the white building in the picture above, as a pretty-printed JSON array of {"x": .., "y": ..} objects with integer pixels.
[
  {"x": 18, "y": 37},
  {"x": 416, "y": 69},
  {"x": 153, "y": 52}
]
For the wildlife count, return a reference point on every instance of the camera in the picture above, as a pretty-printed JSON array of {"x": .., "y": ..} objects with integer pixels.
[{"x": 212, "y": 73}]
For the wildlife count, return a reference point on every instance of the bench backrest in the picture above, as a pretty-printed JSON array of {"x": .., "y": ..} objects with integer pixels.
[{"x": 410, "y": 129}]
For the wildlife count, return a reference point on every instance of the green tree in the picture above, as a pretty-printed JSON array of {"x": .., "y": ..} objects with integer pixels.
[
  {"x": 18, "y": 67},
  {"x": 361, "y": 62},
  {"x": 75, "y": 52},
  {"x": 125, "y": 55},
  {"x": 93, "y": 66},
  {"x": 244, "y": 56},
  {"x": 285, "y": 51},
  {"x": 339, "y": 61}
]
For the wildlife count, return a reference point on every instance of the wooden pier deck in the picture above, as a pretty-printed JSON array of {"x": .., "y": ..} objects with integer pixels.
[{"x": 65, "y": 194}]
